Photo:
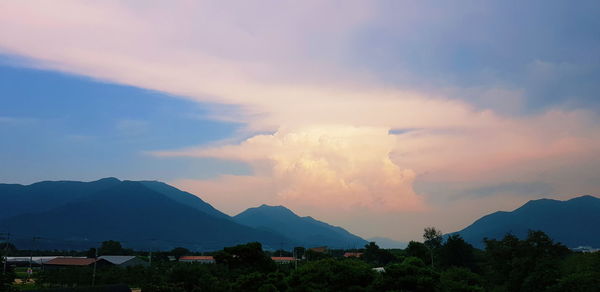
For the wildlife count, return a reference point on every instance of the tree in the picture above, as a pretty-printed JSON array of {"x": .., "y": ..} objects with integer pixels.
[
  {"x": 179, "y": 252},
  {"x": 524, "y": 265},
  {"x": 248, "y": 256},
  {"x": 460, "y": 280},
  {"x": 331, "y": 275},
  {"x": 90, "y": 253},
  {"x": 410, "y": 275},
  {"x": 418, "y": 250},
  {"x": 299, "y": 252},
  {"x": 111, "y": 247},
  {"x": 456, "y": 252},
  {"x": 580, "y": 272},
  {"x": 312, "y": 255},
  {"x": 6, "y": 278},
  {"x": 7, "y": 247},
  {"x": 432, "y": 238},
  {"x": 376, "y": 256}
]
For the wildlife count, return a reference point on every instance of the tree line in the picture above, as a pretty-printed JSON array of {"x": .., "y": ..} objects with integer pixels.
[{"x": 535, "y": 263}]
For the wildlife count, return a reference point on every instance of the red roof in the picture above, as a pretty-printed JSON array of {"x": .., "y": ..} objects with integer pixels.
[
  {"x": 353, "y": 254},
  {"x": 283, "y": 258},
  {"x": 196, "y": 258},
  {"x": 71, "y": 261}
]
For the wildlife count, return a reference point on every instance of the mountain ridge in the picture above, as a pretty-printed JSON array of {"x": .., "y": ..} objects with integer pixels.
[
  {"x": 569, "y": 221},
  {"x": 307, "y": 230},
  {"x": 108, "y": 215},
  {"x": 134, "y": 212}
]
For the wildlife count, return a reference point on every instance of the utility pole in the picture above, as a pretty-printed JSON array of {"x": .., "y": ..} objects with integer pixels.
[
  {"x": 294, "y": 254},
  {"x": 94, "y": 273},
  {"x": 5, "y": 252},
  {"x": 30, "y": 271},
  {"x": 153, "y": 240}
]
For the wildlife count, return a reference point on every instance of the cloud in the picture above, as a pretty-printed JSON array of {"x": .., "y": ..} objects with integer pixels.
[
  {"x": 461, "y": 149},
  {"x": 346, "y": 167},
  {"x": 301, "y": 71}
]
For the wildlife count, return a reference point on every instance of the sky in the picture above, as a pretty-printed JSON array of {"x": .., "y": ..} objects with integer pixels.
[{"x": 383, "y": 117}]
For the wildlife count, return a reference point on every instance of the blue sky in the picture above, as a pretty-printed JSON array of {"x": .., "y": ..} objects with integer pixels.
[
  {"x": 361, "y": 113},
  {"x": 58, "y": 126}
]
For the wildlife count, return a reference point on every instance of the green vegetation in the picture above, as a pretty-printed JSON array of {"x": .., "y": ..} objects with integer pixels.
[{"x": 535, "y": 263}]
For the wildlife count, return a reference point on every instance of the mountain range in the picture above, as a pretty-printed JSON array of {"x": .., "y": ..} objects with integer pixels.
[
  {"x": 574, "y": 222},
  {"x": 147, "y": 215},
  {"x": 155, "y": 215}
]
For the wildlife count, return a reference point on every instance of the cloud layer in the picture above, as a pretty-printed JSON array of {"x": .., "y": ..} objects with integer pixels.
[{"x": 329, "y": 134}]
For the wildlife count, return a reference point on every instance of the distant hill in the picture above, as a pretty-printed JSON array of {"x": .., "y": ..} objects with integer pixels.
[
  {"x": 388, "y": 243},
  {"x": 43, "y": 196},
  {"x": 306, "y": 230},
  {"x": 574, "y": 222},
  {"x": 140, "y": 214},
  {"x": 184, "y": 198}
]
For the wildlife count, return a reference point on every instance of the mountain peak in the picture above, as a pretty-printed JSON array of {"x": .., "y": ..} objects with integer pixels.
[
  {"x": 566, "y": 221},
  {"x": 306, "y": 230},
  {"x": 265, "y": 206},
  {"x": 268, "y": 210},
  {"x": 584, "y": 198},
  {"x": 109, "y": 179}
]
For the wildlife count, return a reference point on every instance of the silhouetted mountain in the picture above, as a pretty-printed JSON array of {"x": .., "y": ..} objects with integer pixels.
[
  {"x": 43, "y": 196},
  {"x": 384, "y": 242},
  {"x": 306, "y": 230},
  {"x": 184, "y": 198},
  {"x": 127, "y": 211},
  {"x": 574, "y": 222}
]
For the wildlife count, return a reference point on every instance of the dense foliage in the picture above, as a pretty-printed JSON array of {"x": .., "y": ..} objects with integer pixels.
[
  {"x": 7, "y": 277},
  {"x": 535, "y": 263}
]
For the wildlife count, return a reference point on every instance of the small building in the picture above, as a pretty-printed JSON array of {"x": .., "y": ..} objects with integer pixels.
[
  {"x": 197, "y": 259},
  {"x": 61, "y": 262},
  {"x": 125, "y": 261},
  {"x": 379, "y": 269},
  {"x": 585, "y": 249},
  {"x": 24, "y": 261},
  {"x": 283, "y": 260},
  {"x": 353, "y": 254}
]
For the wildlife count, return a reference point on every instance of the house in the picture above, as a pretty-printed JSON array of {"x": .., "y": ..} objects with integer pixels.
[
  {"x": 24, "y": 261},
  {"x": 197, "y": 259},
  {"x": 353, "y": 254},
  {"x": 283, "y": 260},
  {"x": 125, "y": 261},
  {"x": 62, "y": 262}
]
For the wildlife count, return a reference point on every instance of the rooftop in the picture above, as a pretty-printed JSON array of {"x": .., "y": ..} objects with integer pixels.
[
  {"x": 71, "y": 261},
  {"x": 283, "y": 258},
  {"x": 195, "y": 258},
  {"x": 117, "y": 260}
]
